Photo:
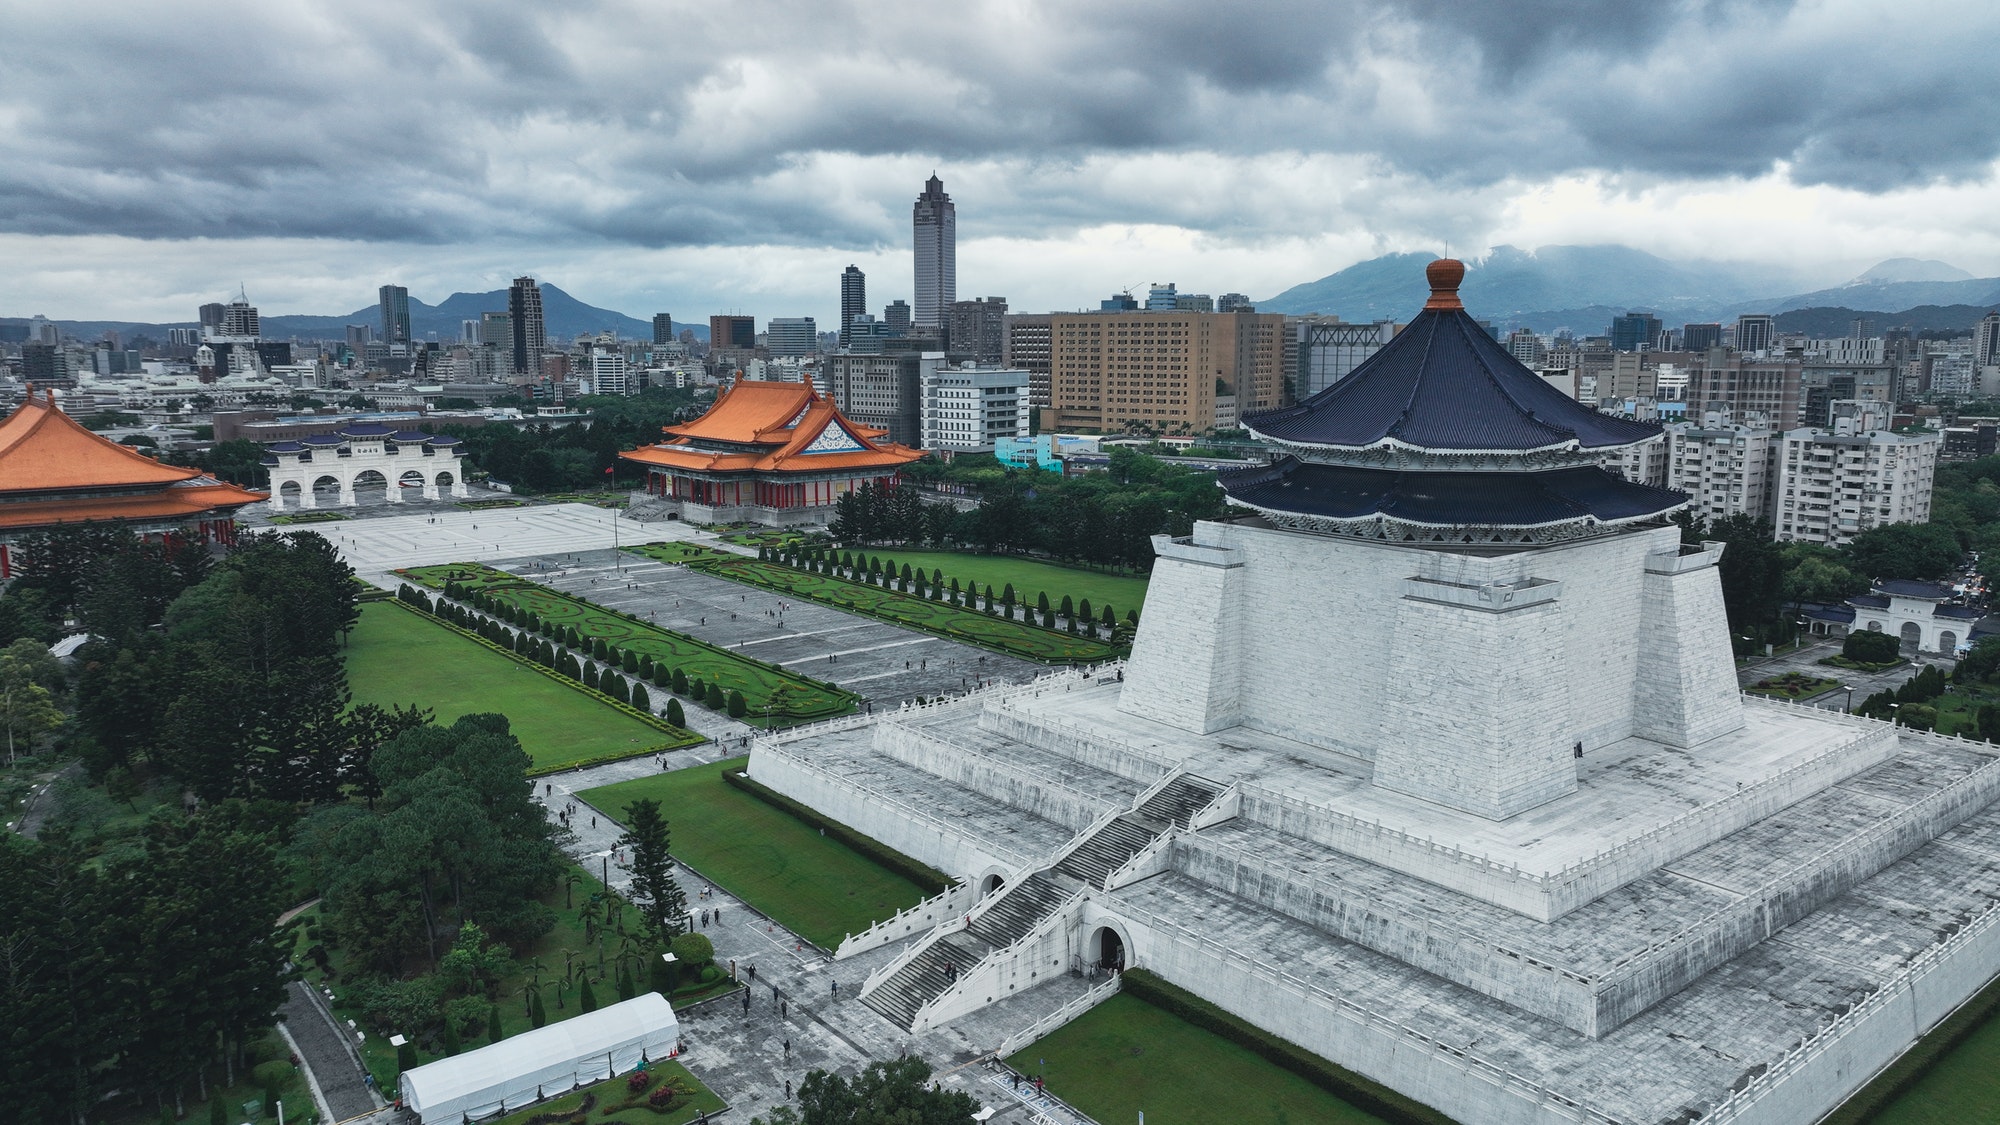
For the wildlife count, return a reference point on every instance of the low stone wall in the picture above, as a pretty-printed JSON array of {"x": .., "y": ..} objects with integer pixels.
[
  {"x": 912, "y": 831},
  {"x": 1086, "y": 748},
  {"x": 981, "y": 773}
]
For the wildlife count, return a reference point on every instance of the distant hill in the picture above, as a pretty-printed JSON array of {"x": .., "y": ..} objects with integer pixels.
[
  {"x": 1887, "y": 295},
  {"x": 563, "y": 317},
  {"x": 1911, "y": 269},
  {"x": 1828, "y": 322}
]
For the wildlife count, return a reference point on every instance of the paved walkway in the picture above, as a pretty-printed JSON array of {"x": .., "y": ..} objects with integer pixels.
[
  {"x": 743, "y": 1055},
  {"x": 1807, "y": 661},
  {"x": 329, "y": 1059}
]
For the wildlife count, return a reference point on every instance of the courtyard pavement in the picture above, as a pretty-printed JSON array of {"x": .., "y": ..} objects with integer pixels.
[{"x": 1807, "y": 661}]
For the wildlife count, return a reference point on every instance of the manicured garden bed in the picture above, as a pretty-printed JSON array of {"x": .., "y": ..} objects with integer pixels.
[
  {"x": 1028, "y": 576},
  {"x": 1791, "y": 685},
  {"x": 958, "y": 623},
  {"x": 605, "y": 1099},
  {"x": 813, "y": 885},
  {"x": 396, "y": 657},
  {"x": 774, "y": 696}
]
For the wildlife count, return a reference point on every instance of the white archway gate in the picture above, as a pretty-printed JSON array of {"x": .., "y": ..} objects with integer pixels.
[{"x": 315, "y": 470}]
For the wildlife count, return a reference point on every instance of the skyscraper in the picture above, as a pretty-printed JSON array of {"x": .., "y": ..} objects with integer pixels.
[
  {"x": 663, "y": 328},
  {"x": 792, "y": 335},
  {"x": 1635, "y": 332},
  {"x": 1754, "y": 332},
  {"x": 853, "y": 299},
  {"x": 1986, "y": 341},
  {"x": 897, "y": 316},
  {"x": 524, "y": 304},
  {"x": 732, "y": 331},
  {"x": 395, "y": 301},
  {"x": 977, "y": 328},
  {"x": 1700, "y": 337},
  {"x": 934, "y": 224}
]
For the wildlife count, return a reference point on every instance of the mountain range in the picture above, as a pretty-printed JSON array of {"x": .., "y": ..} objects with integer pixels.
[
  {"x": 563, "y": 318},
  {"x": 1582, "y": 287}
]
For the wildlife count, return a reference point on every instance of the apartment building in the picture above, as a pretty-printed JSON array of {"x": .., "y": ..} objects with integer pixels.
[
  {"x": 1838, "y": 482},
  {"x": 1162, "y": 370},
  {"x": 1726, "y": 468}
]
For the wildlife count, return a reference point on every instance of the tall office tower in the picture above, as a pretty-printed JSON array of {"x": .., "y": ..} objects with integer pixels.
[
  {"x": 853, "y": 298},
  {"x": 1230, "y": 302},
  {"x": 1162, "y": 298},
  {"x": 1986, "y": 341},
  {"x": 497, "y": 329},
  {"x": 934, "y": 223},
  {"x": 1524, "y": 345},
  {"x": 792, "y": 335},
  {"x": 1635, "y": 332},
  {"x": 1755, "y": 332},
  {"x": 663, "y": 328},
  {"x": 978, "y": 328},
  {"x": 395, "y": 301},
  {"x": 897, "y": 316},
  {"x": 468, "y": 331},
  {"x": 239, "y": 319},
  {"x": 731, "y": 331},
  {"x": 1700, "y": 337},
  {"x": 211, "y": 317},
  {"x": 1027, "y": 347},
  {"x": 1165, "y": 371},
  {"x": 359, "y": 336},
  {"x": 524, "y": 304}
]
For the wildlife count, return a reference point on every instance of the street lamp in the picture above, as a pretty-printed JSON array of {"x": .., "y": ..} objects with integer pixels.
[{"x": 1849, "y": 709}]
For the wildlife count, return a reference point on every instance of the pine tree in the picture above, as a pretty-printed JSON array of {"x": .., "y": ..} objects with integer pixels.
[
  {"x": 715, "y": 700},
  {"x": 676, "y": 716},
  {"x": 680, "y": 682},
  {"x": 630, "y": 662},
  {"x": 626, "y": 989},
  {"x": 537, "y": 1016},
  {"x": 613, "y": 685},
  {"x": 589, "y": 677},
  {"x": 661, "y": 902},
  {"x": 600, "y": 650},
  {"x": 586, "y": 1000},
  {"x": 647, "y": 669},
  {"x": 1110, "y": 619},
  {"x": 1083, "y": 613},
  {"x": 738, "y": 706},
  {"x": 451, "y": 1044},
  {"x": 1006, "y": 596},
  {"x": 494, "y": 1032},
  {"x": 642, "y": 699}
]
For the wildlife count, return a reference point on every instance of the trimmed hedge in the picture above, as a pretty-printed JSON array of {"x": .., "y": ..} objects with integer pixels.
[
  {"x": 929, "y": 878},
  {"x": 1342, "y": 1083},
  {"x": 1901, "y": 1076}
]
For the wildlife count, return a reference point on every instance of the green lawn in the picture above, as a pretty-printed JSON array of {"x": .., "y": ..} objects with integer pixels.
[
  {"x": 396, "y": 657},
  {"x": 952, "y": 622},
  {"x": 786, "y": 696},
  {"x": 813, "y": 885},
  {"x": 605, "y": 1095},
  {"x": 1962, "y": 1089},
  {"x": 1126, "y": 1057},
  {"x": 1029, "y": 576}
]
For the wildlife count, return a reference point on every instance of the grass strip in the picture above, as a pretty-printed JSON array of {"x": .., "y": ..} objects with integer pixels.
[
  {"x": 1883, "y": 1098},
  {"x": 1361, "y": 1092}
]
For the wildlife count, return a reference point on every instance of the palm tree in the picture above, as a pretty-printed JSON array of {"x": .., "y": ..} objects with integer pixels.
[{"x": 570, "y": 879}]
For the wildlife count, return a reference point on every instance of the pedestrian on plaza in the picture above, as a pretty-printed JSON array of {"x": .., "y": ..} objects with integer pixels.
[
  {"x": 1038, "y": 1084},
  {"x": 753, "y": 974},
  {"x": 593, "y": 822},
  {"x": 784, "y": 1009},
  {"x": 718, "y": 913},
  {"x": 704, "y": 919},
  {"x": 788, "y": 1048},
  {"x": 836, "y": 988},
  {"x": 788, "y": 1082}
]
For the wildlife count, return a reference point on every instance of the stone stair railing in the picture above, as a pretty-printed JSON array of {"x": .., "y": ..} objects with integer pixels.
[
  {"x": 1083, "y": 836},
  {"x": 952, "y": 902},
  {"x": 1144, "y": 863},
  {"x": 1098, "y": 994},
  {"x": 968, "y": 981}
]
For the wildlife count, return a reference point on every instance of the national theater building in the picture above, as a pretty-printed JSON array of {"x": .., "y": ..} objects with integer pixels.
[
  {"x": 773, "y": 453},
  {"x": 1430, "y": 759},
  {"x": 55, "y": 473}
]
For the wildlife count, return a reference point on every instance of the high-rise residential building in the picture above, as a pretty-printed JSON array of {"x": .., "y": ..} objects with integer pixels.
[
  {"x": 977, "y": 329},
  {"x": 1986, "y": 341},
  {"x": 524, "y": 304},
  {"x": 1741, "y": 385},
  {"x": 395, "y": 303},
  {"x": 468, "y": 331},
  {"x": 1328, "y": 348},
  {"x": 1835, "y": 483},
  {"x": 934, "y": 226},
  {"x": 1230, "y": 302},
  {"x": 968, "y": 407},
  {"x": 792, "y": 335},
  {"x": 663, "y": 328},
  {"x": 1755, "y": 332},
  {"x": 236, "y": 320},
  {"x": 1700, "y": 337},
  {"x": 1162, "y": 298},
  {"x": 853, "y": 298},
  {"x": 211, "y": 317},
  {"x": 1726, "y": 468},
  {"x": 359, "y": 336},
  {"x": 732, "y": 331},
  {"x": 1635, "y": 332},
  {"x": 1525, "y": 345},
  {"x": 1162, "y": 370},
  {"x": 609, "y": 372},
  {"x": 1027, "y": 347},
  {"x": 896, "y": 317},
  {"x": 881, "y": 390}
]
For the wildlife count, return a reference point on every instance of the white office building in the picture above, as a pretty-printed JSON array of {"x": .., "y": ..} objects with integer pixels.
[
  {"x": 1834, "y": 484},
  {"x": 1725, "y": 468},
  {"x": 970, "y": 407},
  {"x": 609, "y": 373}
]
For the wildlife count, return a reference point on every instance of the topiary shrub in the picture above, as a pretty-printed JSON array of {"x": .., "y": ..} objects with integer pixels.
[
  {"x": 675, "y": 714},
  {"x": 1868, "y": 647}
]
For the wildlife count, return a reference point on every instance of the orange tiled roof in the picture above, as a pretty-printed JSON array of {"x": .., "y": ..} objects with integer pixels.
[
  {"x": 750, "y": 412},
  {"x": 182, "y": 502},
  {"x": 42, "y": 448},
  {"x": 848, "y": 446}
]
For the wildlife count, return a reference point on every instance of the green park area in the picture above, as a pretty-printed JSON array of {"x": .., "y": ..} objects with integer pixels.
[
  {"x": 397, "y": 658},
  {"x": 1028, "y": 576},
  {"x": 812, "y": 884},
  {"x": 958, "y": 623},
  {"x": 1126, "y": 1057},
  {"x": 774, "y": 696},
  {"x": 629, "y": 1100}
]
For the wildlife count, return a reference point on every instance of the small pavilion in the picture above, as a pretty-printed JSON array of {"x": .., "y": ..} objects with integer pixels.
[
  {"x": 772, "y": 453},
  {"x": 54, "y": 472}
]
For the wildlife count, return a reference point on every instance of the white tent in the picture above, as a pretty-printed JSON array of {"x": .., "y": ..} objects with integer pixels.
[{"x": 547, "y": 1061}]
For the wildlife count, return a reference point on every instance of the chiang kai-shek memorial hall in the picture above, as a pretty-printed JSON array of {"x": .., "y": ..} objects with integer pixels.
[
  {"x": 53, "y": 472},
  {"x": 772, "y": 453}
]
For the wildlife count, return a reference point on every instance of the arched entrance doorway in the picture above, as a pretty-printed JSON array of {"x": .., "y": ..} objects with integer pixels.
[
  {"x": 289, "y": 494},
  {"x": 1106, "y": 949},
  {"x": 1948, "y": 643},
  {"x": 990, "y": 884},
  {"x": 370, "y": 487},
  {"x": 327, "y": 491},
  {"x": 1913, "y": 638},
  {"x": 411, "y": 479}
]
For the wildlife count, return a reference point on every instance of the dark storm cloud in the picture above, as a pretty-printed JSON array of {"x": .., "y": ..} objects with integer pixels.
[{"x": 757, "y": 122}]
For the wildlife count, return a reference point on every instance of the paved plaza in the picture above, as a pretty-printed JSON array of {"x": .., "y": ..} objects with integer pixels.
[{"x": 1807, "y": 661}]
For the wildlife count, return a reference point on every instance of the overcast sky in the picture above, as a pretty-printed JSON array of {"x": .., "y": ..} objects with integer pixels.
[{"x": 734, "y": 156}]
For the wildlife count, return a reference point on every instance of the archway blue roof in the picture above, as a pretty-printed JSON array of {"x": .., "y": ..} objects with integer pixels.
[
  {"x": 409, "y": 435},
  {"x": 1444, "y": 384}
]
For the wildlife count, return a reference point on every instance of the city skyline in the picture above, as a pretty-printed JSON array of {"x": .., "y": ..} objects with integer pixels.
[{"x": 1251, "y": 150}]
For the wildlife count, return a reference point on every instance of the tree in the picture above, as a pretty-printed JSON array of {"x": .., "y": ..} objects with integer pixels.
[
  {"x": 494, "y": 1032},
  {"x": 661, "y": 902},
  {"x": 27, "y": 709},
  {"x": 586, "y": 1000},
  {"x": 892, "y": 1090},
  {"x": 714, "y": 699},
  {"x": 680, "y": 682},
  {"x": 738, "y": 706},
  {"x": 641, "y": 698},
  {"x": 1921, "y": 551},
  {"x": 675, "y": 715},
  {"x": 1865, "y": 646}
]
